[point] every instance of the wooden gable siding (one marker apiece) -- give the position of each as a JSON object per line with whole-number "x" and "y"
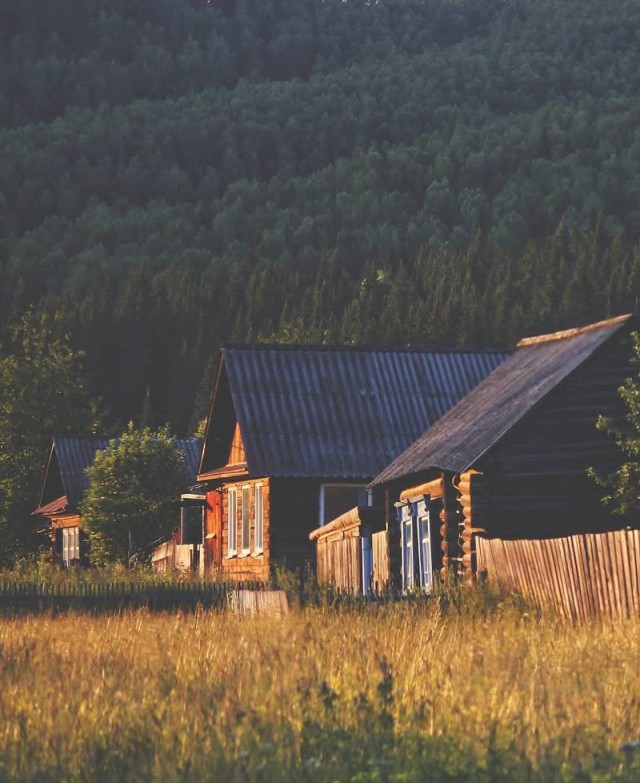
{"x": 536, "y": 479}
{"x": 250, "y": 566}
{"x": 237, "y": 455}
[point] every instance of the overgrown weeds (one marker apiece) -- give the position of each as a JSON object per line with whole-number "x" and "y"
{"x": 436, "y": 691}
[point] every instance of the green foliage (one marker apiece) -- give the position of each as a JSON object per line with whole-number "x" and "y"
{"x": 623, "y": 486}
{"x": 41, "y": 395}
{"x": 179, "y": 173}
{"x": 133, "y": 495}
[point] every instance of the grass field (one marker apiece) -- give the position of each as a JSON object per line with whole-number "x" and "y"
{"x": 392, "y": 693}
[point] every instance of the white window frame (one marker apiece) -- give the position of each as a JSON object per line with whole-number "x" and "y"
{"x": 331, "y": 485}
{"x": 245, "y": 521}
{"x": 423, "y": 509}
{"x": 258, "y": 538}
{"x": 232, "y": 522}
{"x": 405, "y": 519}
{"x": 70, "y": 545}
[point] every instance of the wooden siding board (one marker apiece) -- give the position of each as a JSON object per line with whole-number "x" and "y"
{"x": 578, "y": 553}
{"x": 381, "y": 567}
{"x": 597, "y": 576}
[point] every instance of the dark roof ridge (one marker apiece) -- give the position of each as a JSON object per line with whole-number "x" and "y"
{"x": 566, "y": 334}
{"x": 356, "y": 348}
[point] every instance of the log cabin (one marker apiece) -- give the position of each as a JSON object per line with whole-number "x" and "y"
{"x": 64, "y": 484}
{"x": 295, "y": 434}
{"x": 511, "y": 459}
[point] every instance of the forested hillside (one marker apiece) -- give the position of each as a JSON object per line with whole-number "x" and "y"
{"x": 176, "y": 173}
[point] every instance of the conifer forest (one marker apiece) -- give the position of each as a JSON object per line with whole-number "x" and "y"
{"x": 176, "y": 174}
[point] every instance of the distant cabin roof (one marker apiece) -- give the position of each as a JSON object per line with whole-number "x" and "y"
{"x": 324, "y": 412}
{"x": 496, "y": 405}
{"x": 70, "y": 456}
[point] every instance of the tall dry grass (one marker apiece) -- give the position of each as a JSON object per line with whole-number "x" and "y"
{"x": 395, "y": 693}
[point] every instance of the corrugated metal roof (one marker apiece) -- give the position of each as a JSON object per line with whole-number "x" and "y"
{"x": 484, "y": 416}
{"x": 309, "y": 411}
{"x": 74, "y": 454}
{"x": 190, "y": 447}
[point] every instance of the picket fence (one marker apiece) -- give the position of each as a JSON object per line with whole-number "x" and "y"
{"x": 584, "y": 577}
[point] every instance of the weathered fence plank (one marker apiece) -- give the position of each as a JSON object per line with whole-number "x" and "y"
{"x": 583, "y": 577}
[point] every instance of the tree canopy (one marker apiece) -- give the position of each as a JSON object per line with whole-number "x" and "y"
{"x": 41, "y": 394}
{"x": 132, "y": 498}
{"x": 623, "y": 486}
{"x": 178, "y": 173}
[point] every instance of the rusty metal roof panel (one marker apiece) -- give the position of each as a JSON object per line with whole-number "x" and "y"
{"x": 473, "y": 426}
{"x": 310, "y": 411}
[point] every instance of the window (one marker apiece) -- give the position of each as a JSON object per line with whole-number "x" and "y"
{"x": 405, "y": 517}
{"x": 258, "y": 542}
{"x": 335, "y": 499}
{"x": 423, "y": 513}
{"x": 246, "y": 519}
{"x": 70, "y": 545}
{"x": 232, "y": 547}
{"x": 415, "y": 537}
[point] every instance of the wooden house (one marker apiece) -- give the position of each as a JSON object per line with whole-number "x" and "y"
{"x": 63, "y": 487}
{"x": 295, "y": 434}
{"x": 510, "y": 460}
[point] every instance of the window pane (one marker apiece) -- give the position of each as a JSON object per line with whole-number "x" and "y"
{"x": 65, "y": 546}
{"x": 246, "y": 518}
{"x": 409, "y": 564}
{"x": 259, "y": 535}
{"x": 424, "y": 534}
{"x": 233, "y": 522}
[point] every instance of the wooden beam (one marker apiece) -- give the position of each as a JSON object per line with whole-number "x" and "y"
{"x": 548, "y": 338}
{"x": 434, "y": 489}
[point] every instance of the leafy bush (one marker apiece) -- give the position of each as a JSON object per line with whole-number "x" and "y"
{"x": 133, "y": 495}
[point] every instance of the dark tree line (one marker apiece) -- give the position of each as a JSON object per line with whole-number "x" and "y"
{"x": 151, "y": 338}
{"x": 174, "y": 174}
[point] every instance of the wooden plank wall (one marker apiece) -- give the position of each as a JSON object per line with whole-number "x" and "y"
{"x": 339, "y": 563}
{"x": 584, "y": 577}
{"x": 381, "y": 562}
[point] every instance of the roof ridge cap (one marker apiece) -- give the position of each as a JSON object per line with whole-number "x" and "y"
{"x": 331, "y": 347}
{"x": 567, "y": 333}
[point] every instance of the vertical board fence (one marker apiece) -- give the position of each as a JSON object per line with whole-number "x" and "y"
{"x": 339, "y": 564}
{"x": 584, "y": 577}
{"x": 29, "y": 597}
